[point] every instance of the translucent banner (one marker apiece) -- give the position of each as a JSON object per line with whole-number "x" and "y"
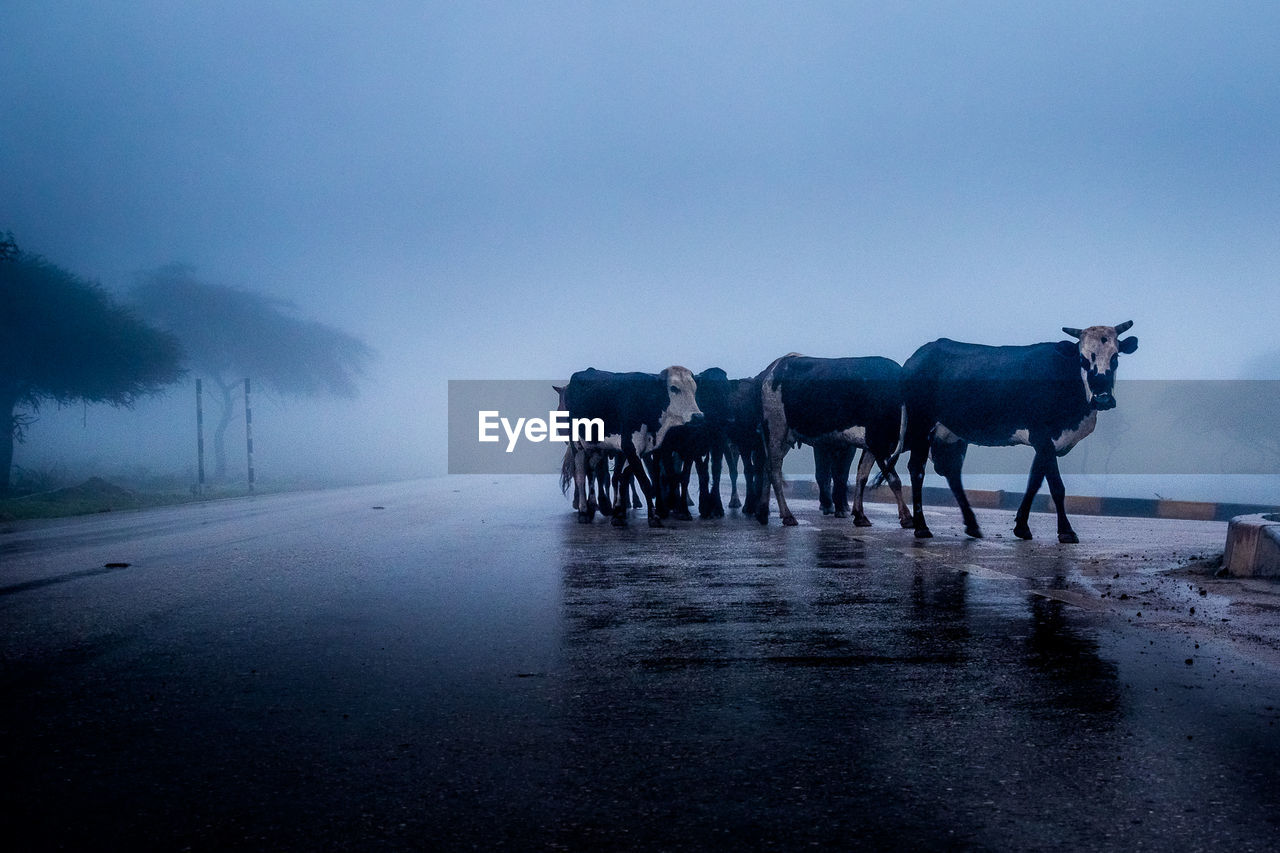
{"x": 1158, "y": 427}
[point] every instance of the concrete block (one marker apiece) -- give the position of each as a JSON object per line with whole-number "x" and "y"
{"x": 1253, "y": 546}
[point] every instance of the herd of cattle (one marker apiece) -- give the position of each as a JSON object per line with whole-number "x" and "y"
{"x": 948, "y": 395}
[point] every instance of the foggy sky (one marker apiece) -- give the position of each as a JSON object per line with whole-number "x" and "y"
{"x": 523, "y": 190}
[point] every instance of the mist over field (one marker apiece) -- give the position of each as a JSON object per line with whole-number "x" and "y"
{"x": 496, "y": 191}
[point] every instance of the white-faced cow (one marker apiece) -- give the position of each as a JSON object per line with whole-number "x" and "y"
{"x": 702, "y": 444}
{"x": 1044, "y": 395}
{"x": 847, "y": 401}
{"x": 638, "y": 411}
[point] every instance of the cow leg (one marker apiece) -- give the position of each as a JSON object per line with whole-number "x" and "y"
{"x": 646, "y": 486}
{"x": 864, "y": 472}
{"x": 592, "y": 482}
{"x": 915, "y": 466}
{"x": 585, "y": 512}
{"x": 1059, "y": 492}
{"x": 753, "y": 481}
{"x": 841, "y": 462}
{"x": 704, "y": 486}
{"x": 731, "y": 460}
{"x": 775, "y": 451}
{"x": 657, "y": 466}
{"x": 1020, "y": 527}
{"x": 601, "y": 468}
{"x": 717, "y": 505}
{"x": 822, "y": 475}
{"x": 621, "y": 482}
{"x": 948, "y": 459}
{"x": 895, "y": 484}
{"x": 681, "y": 510}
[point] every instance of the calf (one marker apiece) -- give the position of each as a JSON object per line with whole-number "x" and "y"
{"x": 851, "y": 402}
{"x": 638, "y": 411}
{"x": 1045, "y": 395}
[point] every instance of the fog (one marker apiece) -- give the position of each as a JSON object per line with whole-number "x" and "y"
{"x": 520, "y": 191}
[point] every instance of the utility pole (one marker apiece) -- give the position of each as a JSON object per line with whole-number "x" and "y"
{"x": 248, "y": 430}
{"x": 199, "y": 439}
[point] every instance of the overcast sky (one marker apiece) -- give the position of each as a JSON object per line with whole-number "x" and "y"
{"x": 520, "y": 190}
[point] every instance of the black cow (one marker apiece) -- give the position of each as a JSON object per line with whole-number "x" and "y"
{"x": 638, "y": 411}
{"x": 742, "y": 430}
{"x": 1045, "y": 395}
{"x": 856, "y": 402}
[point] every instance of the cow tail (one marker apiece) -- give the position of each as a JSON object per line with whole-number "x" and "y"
{"x": 566, "y": 469}
{"x": 878, "y": 481}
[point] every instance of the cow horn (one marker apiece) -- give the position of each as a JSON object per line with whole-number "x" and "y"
{"x": 1123, "y": 327}
{"x": 1075, "y": 333}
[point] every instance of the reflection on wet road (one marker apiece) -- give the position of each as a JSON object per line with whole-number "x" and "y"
{"x": 827, "y": 685}
{"x": 469, "y": 667}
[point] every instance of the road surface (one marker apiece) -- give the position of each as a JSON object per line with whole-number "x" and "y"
{"x": 458, "y": 664}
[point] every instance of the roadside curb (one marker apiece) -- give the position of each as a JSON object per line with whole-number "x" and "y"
{"x": 1253, "y": 546}
{"x": 1076, "y": 504}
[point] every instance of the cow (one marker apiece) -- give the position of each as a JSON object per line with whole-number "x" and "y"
{"x": 855, "y": 402}
{"x": 742, "y": 429}
{"x": 597, "y": 466}
{"x": 638, "y": 411}
{"x": 702, "y": 445}
{"x": 1045, "y": 395}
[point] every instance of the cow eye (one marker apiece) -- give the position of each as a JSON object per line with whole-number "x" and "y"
{"x": 675, "y": 390}
{"x": 1104, "y": 340}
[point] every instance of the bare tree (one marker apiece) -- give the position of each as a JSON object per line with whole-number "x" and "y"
{"x": 230, "y": 333}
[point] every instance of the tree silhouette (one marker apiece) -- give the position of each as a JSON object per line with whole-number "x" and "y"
{"x": 63, "y": 338}
{"x": 230, "y": 333}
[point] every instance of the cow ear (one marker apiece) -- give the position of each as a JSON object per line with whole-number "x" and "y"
{"x": 1129, "y": 344}
{"x": 1075, "y": 333}
{"x": 559, "y": 389}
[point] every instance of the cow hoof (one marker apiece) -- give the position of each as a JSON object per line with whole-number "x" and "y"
{"x": 1022, "y": 531}
{"x": 907, "y": 523}
{"x": 618, "y": 521}
{"x": 826, "y": 510}
{"x": 861, "y": 521}
{"x": 655, "y": 522}
{"x": 839, "y": 513}
{"x": 789, "y": 521}
{"x": 924, "y": 533}
{"x": 734, "y": 503}
{"x": 682, "y": 515}
{"x": 974, "y": 531}
{"x": 1068, "y": 538}
{"x": 584, "y": 517}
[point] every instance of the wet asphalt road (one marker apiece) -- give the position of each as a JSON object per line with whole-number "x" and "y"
{"x": 468, "y": 667}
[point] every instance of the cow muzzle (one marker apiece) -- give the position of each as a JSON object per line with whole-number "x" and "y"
{"x": 697, "y": 418}
{"x": 1104, "y": 401}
